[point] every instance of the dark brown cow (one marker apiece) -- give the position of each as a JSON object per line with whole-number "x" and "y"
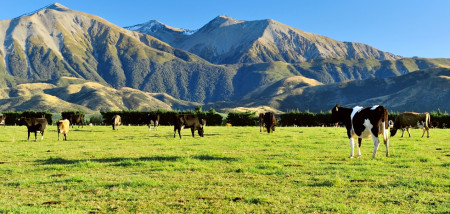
{"x": 363, "y": 122}
{"x": 270, "y": 121}
{"x": 261, "y": 121}
{"x": 3, "y": 120}
{"x": 34, "y": 125}
{"x": 187, "y": 121}
{"x": 75, "y": 119}
{"x": 412, "y": 119}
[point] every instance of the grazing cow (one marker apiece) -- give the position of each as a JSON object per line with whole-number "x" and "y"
{"x": 411, "y": 119}
{"x": 297, "y": 122}
{"x": 34, "y": 125}
{"x": 187, "y": 121}
{"x": 75, "y": 119}
{"x": 3, "y": 120}
{"x": 261, "y": 121}
{"x": 203, "y": 122}
{"x": 270, "y": 121}
{"x": 363, "y": 122}
{"x": 228, "y": 124}
{"x": 116, "y": 122}
{"x": 63, "y": 127}
{"x": 149, "y": 119}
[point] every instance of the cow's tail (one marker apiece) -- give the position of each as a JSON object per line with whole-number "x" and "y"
{"x": 427, "y": 120}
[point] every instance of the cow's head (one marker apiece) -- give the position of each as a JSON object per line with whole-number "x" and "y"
{"x": 200, "y": 131}
{"x": 335, "y": 114}
{"x": 393, "y": 131}
{"x": 22, "y": 121}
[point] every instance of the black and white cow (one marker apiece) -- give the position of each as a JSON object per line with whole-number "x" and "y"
{"x": 363, "y": 122}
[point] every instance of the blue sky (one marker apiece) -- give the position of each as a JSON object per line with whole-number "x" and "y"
{"x": 403, "y": 27}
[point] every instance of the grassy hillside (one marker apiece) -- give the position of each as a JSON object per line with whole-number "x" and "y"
{"x": 69, "y": 93}
{"x": 293, "y": 170}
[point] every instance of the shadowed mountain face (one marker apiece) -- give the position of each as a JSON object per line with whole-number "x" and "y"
{"x": 424, "y": 90}
{"x": 182, "y": 70}
{"x": 225, "y": 40}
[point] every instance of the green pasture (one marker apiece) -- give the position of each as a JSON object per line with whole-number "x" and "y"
{"x": 230, "y": 170}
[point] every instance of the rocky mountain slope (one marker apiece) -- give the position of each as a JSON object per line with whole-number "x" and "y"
{"x": 225, "y": 40}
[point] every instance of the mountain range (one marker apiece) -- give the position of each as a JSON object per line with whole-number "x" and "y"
{"x": 227, "y": 63}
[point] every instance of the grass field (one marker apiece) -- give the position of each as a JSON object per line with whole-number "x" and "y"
{"x": 230, "y": 170}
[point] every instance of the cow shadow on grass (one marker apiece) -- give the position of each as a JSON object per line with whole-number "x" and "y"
{"x": 63, "y": 161}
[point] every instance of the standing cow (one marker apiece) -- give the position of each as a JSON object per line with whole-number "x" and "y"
{"x": 152, "y": 118}
{"x": 63, "y": 127}
{"x": 187, "y": 121}
{"x": 363, "y": 122}
{"x": 34, "y": 125}
{"x": 261, "y": 121}
{"x": 75, "y": 119}
{"x": 270, "y": 121}
{"x": 412, "y": 119}
{"x": 117, "y": 120}
{"x": 3, "y": 120}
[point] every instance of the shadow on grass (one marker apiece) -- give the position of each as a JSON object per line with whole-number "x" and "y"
{"x": 212, "y": 158}
{"x": 58, "y": 160}
{"x": 62, "y": 161}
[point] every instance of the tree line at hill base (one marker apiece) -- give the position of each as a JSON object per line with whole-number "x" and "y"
{"x": 213, "y": 118}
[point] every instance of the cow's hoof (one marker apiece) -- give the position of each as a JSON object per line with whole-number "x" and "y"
{"x": 358, "y": 156}
{"x": 350, "y": 157}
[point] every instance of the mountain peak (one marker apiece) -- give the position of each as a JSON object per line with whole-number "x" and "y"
{"x": 222, "y": 20}
{"x": 54, "y": 6}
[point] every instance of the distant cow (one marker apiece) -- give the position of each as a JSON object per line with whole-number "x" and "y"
{"x": 149, "y": 119}
{"x": 261, "y": 121}
{"x": 187, "y": 121}
{"x": 75, "y": 119}
{"x": 363, "y": 122}
{"x": 3, "y": 120}
{"x": 412, "y": 119}
{"x": 63, "y": 127}
{"x": 270, "y": 121}
{"x": 434, "y": 124}
{"x": 117, "y": 120}
{"x": 34, "y": 125}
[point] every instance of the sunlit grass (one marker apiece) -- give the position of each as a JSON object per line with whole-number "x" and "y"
{"x": 231, "y": 169}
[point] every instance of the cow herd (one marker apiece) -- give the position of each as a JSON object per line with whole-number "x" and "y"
{"x": 360, "y": 122}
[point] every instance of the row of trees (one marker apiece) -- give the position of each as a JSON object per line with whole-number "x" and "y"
{"x": 211, "y": 116}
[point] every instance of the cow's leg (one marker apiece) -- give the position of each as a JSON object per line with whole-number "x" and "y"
{"x": 407, "y": 129}
{"x": 386, "y": 144}
{"x": 352, "y": 146}
{"x": 150, "y": 126}
{"x": 58, "y": 134}
{"x": 157, "y": 126}
{"x": 65, "y": 136}
{"x": 28, "y": 139}
{"x": 376, "y": 143}
{"x": 179, "y": 132}
{"x": 174, "y": 131}
{"x": 35, "y": 136}
{"x": 403, "y": 131}
{"x": 428, "y": 132}
{"x": 42, "y": 135}
{"x": 359, "y": 147}
{"x": 193, "y": 131}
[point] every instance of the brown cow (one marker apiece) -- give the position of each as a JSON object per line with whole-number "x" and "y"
{"x": 63, "y": 127}
{"x": 3, "y": 120}
{"x": 187, "y": 121}
{"x": 411, "y": 119}
{"x": 270, "y": 121}
{"x": 117, "y": 120}
{"x": 34, "y": 125}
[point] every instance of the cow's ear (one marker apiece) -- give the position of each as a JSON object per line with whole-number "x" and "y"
{"x": 336, "y": 108}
